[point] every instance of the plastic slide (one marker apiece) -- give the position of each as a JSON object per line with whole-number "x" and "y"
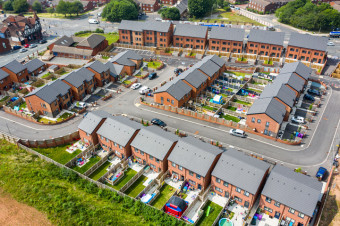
{"x": 208, "y": 211}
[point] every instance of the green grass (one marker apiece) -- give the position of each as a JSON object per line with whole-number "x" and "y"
{"x": 214, "y": 211}
{"x": 67, "y": 199}
{"x": 23, "y": 105}
{"x": 223, "y": 95}
{"x": 269, "y": 63}
{"x": 4, "y": 99}
{"x": 237, "y": 73}
{"x": 59, "y": 153}
{"x": 136, "y": 187}
{"x": 128, "y": 174}
{"x": 127, "y": 82}
{"x": 100, "y": 171}
{"x": 65, "y": 116}
{"x": 234, "y": 17}
{"x": 255, "y": 90}
{"x": 231, "y": 118}
{"x": 154, "y": 64}
{"x": 105, "y": 57}
{"x": 55, "y": 15}
{"x": 192, "y": 54}
{"x": 46, "y": 121}
{"x": 88, "y": 165}
{"x": 164, "y": 196}
{"x": 242, "y": 102}
{"x": 242, "y": 59}
{"x": 210, "y": 108}
{"x": 110, "y": 37}
{"x": 46, "y": 75}
{"x": 231, "y": 108}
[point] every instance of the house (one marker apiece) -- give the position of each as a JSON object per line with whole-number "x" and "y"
{"x": 290, "y": 196}
{"x": 116, "y": 135}
{"x": 101, "y": 72}
{"x": 298, "y": 68}
{"x": 190, "y": 36}
{"x": 182, "y": 6}
{"x": 79, "y": 47}
{"x": 211, "y": 69}
{"x": 335, "y": 5}
{"x": 168, "y": 2}
{"x": 293, "y": 81}
{"x": 81, "y": 82}
{"x": 152, "y": 146}
{"x": 265, "y": 43}
{"x": 49, "y": 99}
{"x": 196, "y": 79}
{"x": 18, "y": 73}
{"x": 307, "y": 47}
{"x": 266, "y": 115}
{"x": 239, "y": 176}
{"x": 89, "y": 126}
{"x": 149, "y": 6}
{"x": 226, "y": 39}
{"x": 35, "y": 67}
{"x": 116, "y": 71}
{"x": 151, "y": 33}
{"x": 130, "y": 60}
{"x": 5, "y": 81}
{"x": 21, "y": 30}
{"x": 5, "y": 46}
{"x": 266, "y": 6}
{"x": 193, "y": 160}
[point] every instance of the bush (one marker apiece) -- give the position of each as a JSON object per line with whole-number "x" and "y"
{"x": 98, "y": 30}
{"x": 83, "y": 32}
{"x": 227, "y": 9}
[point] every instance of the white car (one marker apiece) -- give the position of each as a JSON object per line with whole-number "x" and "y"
{"x": 135, "y": 86}
{"x": 298, "y": 119}
{"x": 158, "y": 19}
{"x": 144, "y": 90}
{"x": 93, "y": 21}
{"x": 22, "y": 50}
{"x": 330, "y": 44}
{"x": 237, "y": 132}
{"x": 80, "y": 104}
{"x": 33, "y": 46}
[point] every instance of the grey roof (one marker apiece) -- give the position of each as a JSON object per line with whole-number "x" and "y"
{"x": 140, "y": 26}
{"x": 292, "y": 189}
{"x": 34, "y": 65}
{"x": 266, "y": 37}
{"x": 119, "y": 129}
{"x": 182, "y": 6}
{"x": 72, "y": 50}
{"x": 123, "y": 58}
{"x": 79, "y": 77}
{"x": 130, "y": 25}
{"x": 298, "y": 68}
{"x": 64, "y": 41}
{"x": 308, "y": 41}
{"x": 269, "y": 106}
{"x": 3, "y": 74}
{"x": 194, "y": 155}
{"x": 115, "y": 69}
{"x": 292, "y": 80}
{"x": 232, "y": 34}
{"x": 51, "y": 91}
{"x": 154, "y": 141}
{"x": 92, "y": 120}
{"x": 176, "y": 88}
{"x": 15, "y": 66}
{"x": 216, "y": 59}
{"x": 280, "y": 91}
{"x": 207, "y": 66}
{"x": 97, "y": 66}
{"x": 194, "y": 77}
{"x": 240, "y": 170}
{"x": 188, "y": 30}
{"x": 92, "y": 41}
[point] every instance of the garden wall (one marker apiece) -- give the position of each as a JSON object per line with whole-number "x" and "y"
{"x": 51, "y": 142}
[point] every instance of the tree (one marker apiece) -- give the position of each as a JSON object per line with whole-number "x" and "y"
{"x": 50, "y": 10}
{"x": 36, "y": 6}
{"x": 63, "y": 7}
{"x": 1, "y": 2}
{"x": 199, "y": 8}
{"x": 8, "y": 6}
{"x": 118, "y": 10}
{"x": 220, "y": 3}
{"x": 171, "y": 13}
{"x": 20, "y": 6}
{"x": 76, "y": 7}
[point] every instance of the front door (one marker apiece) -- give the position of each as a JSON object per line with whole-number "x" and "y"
{"x": 182, "y": 177}
{"x": 199, "y": 186}
{"x": 246, "y": 204}
{"x": 144, "y": 163}
{"x": 122, "y": 156}
{"x": 226, "y": 194}
{"x": 277, "y": 215}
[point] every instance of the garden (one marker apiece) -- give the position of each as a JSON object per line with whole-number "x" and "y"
{"x": 98, "y": 173}
{"x": 211, "y": 211}
{"x": 110, "y": 37}
{"x": 165, "y": 194}
{"x": 128, "y": 174}
{"x": 90, "y": 162}
{"x": 136, "y": 187}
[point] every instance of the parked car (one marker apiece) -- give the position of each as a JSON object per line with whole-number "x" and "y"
{"x": 135, "y": 86}
{"x": 16, "y": 47}
{"x": 308, "y": 97}
{"x": 22, "y": 50}
{"x": 158, "y": 122}
{"x": 298, "y": 119}
{"x": 314, "y": 92}
{"x": 330, "y": 44}
{"x": 144, "y": 90}
{"x": 42, "y": 41}
{"x": 99, "y": 14}
{"x": 152, "y": 75}
{"x": 93, "y": 21}
{"x": 27, "y": 45}
{"x": 33, "y": 46}
{"x": 178, "y": 70}
{"x": 80, "y": 104}
{"x": 238, "y": 133}
{"x": 321, "y": 173}
{"x": 158, "y": 19}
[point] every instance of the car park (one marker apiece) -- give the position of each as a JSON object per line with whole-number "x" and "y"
{"x": 308, "y": 97}
{"x": 314, "y": 92}
{"x": 22, "y": 50}
{"x": 33, "y": 46}
{"x": 321, "y": 173}
{"x": 237, "y": 132}
{"x": 158, "y": 122}
{"x": 135, "y": 86}
{"x": 152, "y": 75}
{"x": 298, "y": 119}
{"x": 42, "y": 41}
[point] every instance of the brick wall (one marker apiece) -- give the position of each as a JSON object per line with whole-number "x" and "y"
{"x": 5, "y": 46}
{"x": 260, "y": 126}
{"x": 35, "y": 104}
{"x": 21, "y": 77}
{"x": 189, "y": 42}
{"x": 225, "y": 45}
{"x": 305, "y": 54}
{"x": 166, "y": 99}
{"x": 6, "y": 83}
{"x": 264, "y": 49}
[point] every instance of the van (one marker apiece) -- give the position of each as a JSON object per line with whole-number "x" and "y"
{"x": 93, "y": 21}
{"x": 152, "y": 75}
{"x": 237, "y": 132}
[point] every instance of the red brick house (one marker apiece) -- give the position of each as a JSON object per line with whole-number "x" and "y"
{"x": 190, "y": 36}
{"x": 5, "y": 46}
{"x": 266, "y": 43}
{"x": 130, "y": 60}
{"x": 116, "y": 135}
{"x": 101, "y": 73}
{"x": 152, "y": 146}
{"x": 116, "y": 71}
{"x": 307, "y": 47}
{"x": 35, "y": 67}
{"x": 298, "y": 69}
{"x": 196, "y": 79}
{"x": 168, "y": 2}
{"x": 5, "y": 81}
{"x": 18, "y": 73}
{"x": 239, "y": 177}
{"x": 293, "y": 81}
{"x": 193, "y": 160}
{"x": 290, "y": 196}
{"x": 226, "y": 39}
{"x": 266, "y": 6}
{"x": 149, "y": 6}
{"x": 89, "y": 126}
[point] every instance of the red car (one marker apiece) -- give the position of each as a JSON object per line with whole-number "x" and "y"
{"x": 27, "y": 45}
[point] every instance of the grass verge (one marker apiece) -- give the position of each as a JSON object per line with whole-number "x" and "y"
{"x": 154, "y": 64}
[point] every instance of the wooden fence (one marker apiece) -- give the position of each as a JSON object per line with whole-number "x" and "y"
{"x": 96, "y": 166}
{"x": 132, "y": 180}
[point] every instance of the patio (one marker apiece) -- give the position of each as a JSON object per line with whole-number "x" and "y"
{"x": 194, "y": 212}
{"x": 266, "y": 220}
{"x": 239, "y": 213}
{"x": 191, "y": 195}
{"x": 219, "y": 200}
{"x": 151, "y": 175}
{"x": 174, "y": 184}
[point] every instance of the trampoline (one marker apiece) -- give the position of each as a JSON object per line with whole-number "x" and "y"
{"x": 225, "y": 222}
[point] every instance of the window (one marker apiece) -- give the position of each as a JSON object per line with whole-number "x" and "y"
{"x": 115, "y": 144}
{"x": 246, "y": 193}
{"x": 259, "y": 121}
{"x": 180, "y": 167}
{"x": 237, "y": 199}
{"x": 120, "y": 147}
{"x": 173, "y": 164}
{"x": 218, "y": 180}
{"x": 218, "y": 189}
{"x": 268, "y": 209}
{"x": 150, "y": 157}
{"x": 269, "y": 200}
{"x": 252, "y": 119}
{"x": 191, "y": 173}
{"x": 152, "y": 166}
{"x": 277, "y": 204}
{"x": 198, "y": 176}
{"x": 192, "y": 182}
{"x": 168, "y": 100}
{"x": 142, "y": 152}
{"x": 291, "y": 210}
{"x": 157, "y": 160}
{"x": 301, "y": 215}
{"x": 225, "y": 184}
{"x": 172, "y": 102}
{"x": 238, "y": 190}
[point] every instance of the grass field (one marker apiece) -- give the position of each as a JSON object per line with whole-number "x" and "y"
{"x": 56, "y": 15}
{"x": 88, "y": 165}
{"x": 136, "y": 187}
{"x": 242, "y": 102}
{"x": 128, "y": 174}
{"x": 154, "y": 64}
{"x": 164, "y": 196}
{"x": 231, "y": 118}
{"x": 209, "y": 108}
{"x": 110, "y": 37}
{"x": 100, "y": 171}
{"x": 214, "y": 211}
{"x": 58, "y": 154}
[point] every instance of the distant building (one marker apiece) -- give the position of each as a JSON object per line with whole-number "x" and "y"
{"x": 226, "y": 39}
{"x": 267, "y": 43}
{"x": 168, "y": 2}
{"x": 190, "y": 36}
{"x": 266, "y": 6}
{"x": 149, "y": 6}
{"x": 5, "y": 45}
{"x": 130, "y": 61}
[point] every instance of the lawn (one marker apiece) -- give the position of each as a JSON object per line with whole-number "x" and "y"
{"x": 237, "y": 73}
{"x": 64, "y": 116}
{"x": 214, "y": 211}
{"x": 46, "y": 75}
{"x": 127, "y": 82}
{"x": 59, "y": 153}
{"x": 231, "y": 118}
{"x": 23, "y": 105}
{"x": 128, "y": 174}
{"x": 154, "y": 64}
{"x": 210, "y": 108}
{"x": 231, "y": 108}
{"x": 46, "y": 121}
{"x": 4, "y": 99}
{"x": 242, "y": 102}
{"x": 88, "y": 165}
{"x": 234, "y": 17}
{"x": 55, "y": 15}
{"x": 136, "y": 187}
{"x": 242, "y": 59}
{"x": 255, "y": 90}
{"x": 268, "y": 63}
{"x": 165, "y": 194}
{"x": 110, "y": 37}
{"x": 100, "y": 171}
{"x": 192, "y": 54}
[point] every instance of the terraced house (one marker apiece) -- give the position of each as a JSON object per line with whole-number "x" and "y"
{"x": 129, "y": 60}
{"x": 265, "y": 43}
{"x": 101, "y": 73}
{"x": 5, "y": 81}
{"x": 17, "y": 72}
{"x": 190, "y": 36}
{"x": 152, "y": 146}
{"x": 226, "y": 39}
{"x": 35, "y": 67}
{"x": 239, "y": 177}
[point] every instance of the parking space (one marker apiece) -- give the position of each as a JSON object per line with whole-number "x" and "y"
{"x": 300, "y": 113}
{"x": 290, "y": 130}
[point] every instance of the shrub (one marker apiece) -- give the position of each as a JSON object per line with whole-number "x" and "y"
{"x": 98, "y": 30}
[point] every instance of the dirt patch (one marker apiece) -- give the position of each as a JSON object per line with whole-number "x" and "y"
{"x": 331, "y": 214}
{"x": 15, "y": 213}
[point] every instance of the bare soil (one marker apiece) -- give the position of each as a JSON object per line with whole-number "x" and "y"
{"x": 15, "y": 213}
